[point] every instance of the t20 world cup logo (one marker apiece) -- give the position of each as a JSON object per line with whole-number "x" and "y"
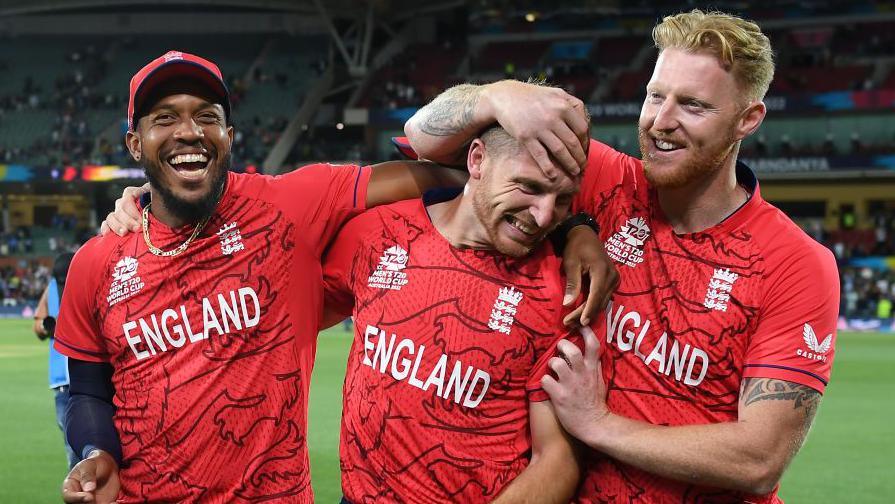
{"x": 635, "y": 231}
{"x": 394, "y": 258}
{"x": 124, "y": 269}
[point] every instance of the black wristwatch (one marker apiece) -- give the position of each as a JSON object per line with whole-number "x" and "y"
{"x": 561, "y": 233}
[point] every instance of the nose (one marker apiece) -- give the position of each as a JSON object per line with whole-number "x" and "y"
{"x": 544, "y": 210}
{"x": 188, "y": 131}
{"x": 666, "y": 118}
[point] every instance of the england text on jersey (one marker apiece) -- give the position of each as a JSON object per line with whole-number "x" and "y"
{"x": 629, "y": 331}
{"x": 465, "y": 385}
{"x": 171, "y": 328}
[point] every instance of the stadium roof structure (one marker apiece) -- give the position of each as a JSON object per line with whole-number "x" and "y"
{"x": 334, "y": 8}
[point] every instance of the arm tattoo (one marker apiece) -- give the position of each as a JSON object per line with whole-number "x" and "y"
{"x": 451, "y": 112}
{"x": 766, "y": 389}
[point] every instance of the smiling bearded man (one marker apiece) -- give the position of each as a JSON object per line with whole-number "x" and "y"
{"x": 182, "y": 340}
{"x": 187, "y": 174}
{"x": 191, "y": 345}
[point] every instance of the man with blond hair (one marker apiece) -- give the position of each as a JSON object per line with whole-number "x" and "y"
{"x": 702, "y": 380}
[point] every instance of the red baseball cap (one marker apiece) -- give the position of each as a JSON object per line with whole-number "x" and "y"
{"x": 169, "y": 66}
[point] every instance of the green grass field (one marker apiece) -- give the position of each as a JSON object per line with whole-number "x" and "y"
{"x": 847, "y": 457}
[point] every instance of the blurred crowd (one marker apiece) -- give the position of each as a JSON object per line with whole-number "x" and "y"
{"x": 23, "y": 262}
{"x": 23, "y": 283}
{"x": 868, "y": 292}
{"x": 784, "y": 146}
{"x": 70, "y": 99}
{"x": 64, "y": 236}
{"x": 80, "y": 131}
{"x": 16, "y": 242}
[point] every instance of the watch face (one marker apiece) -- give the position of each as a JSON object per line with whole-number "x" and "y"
{"x": 585, "y": 219}
{"x": 49, "y": 324}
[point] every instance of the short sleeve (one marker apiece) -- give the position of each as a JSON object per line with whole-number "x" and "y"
{"x": 533, "y": 387}
{"x": 605, "y": 168}
{"x": 552, "y": 312}
{"x": 796, "y": 335}
{"x": 338, "y": 265}
{"x": 78, "y": 334}
{"x": 321, "y": 198}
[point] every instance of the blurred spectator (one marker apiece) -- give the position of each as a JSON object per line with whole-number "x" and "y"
{"x": 866, "y": 293}
{"x": 44, "y": 328}
{"x": 24, "y": 282}
{"x": 856, "y": 146}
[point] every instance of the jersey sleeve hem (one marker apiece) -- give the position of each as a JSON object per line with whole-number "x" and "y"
{"x": 537, "y": 395}
{"x": 786, "y": 373}
{"x": 79, "y": 353}
{"x": 361, "y": 183}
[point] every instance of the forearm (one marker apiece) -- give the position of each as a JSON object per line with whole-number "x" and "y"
{"x": 558, "y": 466}
{"x": 441, "y": 130}
{"x": 553, "y": 460}
{"x": 89, "y": 416}
{"x": 725, "y": 455}
{"x": 89, "y": 426}
{"x": 400, "y": 180}
{"x": 748, "y": 454}
{"x": 40, "y": 313}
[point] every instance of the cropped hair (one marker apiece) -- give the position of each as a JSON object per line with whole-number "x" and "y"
{"x": 498, "y": 142}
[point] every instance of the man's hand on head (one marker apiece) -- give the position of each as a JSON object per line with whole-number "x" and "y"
{"x": 126, "y": 216}
{"x": 547, "y": 121}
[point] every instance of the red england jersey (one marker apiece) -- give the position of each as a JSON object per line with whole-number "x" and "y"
{"x": 450, "y": 346}
{"x": 213, "y": 349}
{"x": 696, "y": 313}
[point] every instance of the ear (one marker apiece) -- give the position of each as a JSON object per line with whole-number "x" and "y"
{"x": 751, "y": 119}
{"x": 475, "y": 158}
{"x": 134, "y": 145}
{"x": 230, "y": 135}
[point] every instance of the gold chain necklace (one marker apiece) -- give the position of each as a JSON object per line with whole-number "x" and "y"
{"x": 177, "y": 251}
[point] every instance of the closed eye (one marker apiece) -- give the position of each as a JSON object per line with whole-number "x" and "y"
{"x": 530, "y": 188}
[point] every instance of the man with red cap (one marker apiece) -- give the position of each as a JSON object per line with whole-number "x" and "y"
{"x": 191, "y": 344}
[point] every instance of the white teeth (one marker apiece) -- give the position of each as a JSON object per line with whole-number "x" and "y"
{"x": 522, "y": 226}
{"x": 663, "y": 145}
{"x": 189, "y": 158}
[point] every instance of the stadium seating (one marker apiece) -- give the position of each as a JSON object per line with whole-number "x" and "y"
{"x": 91, "y": 76}
{"x": 618, "y": 51}
{"x": 425, "y": 70}
{"x": 496, "y": 56}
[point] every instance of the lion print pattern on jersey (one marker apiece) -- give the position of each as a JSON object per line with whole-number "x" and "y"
{"x": 236, "y": 400}
{"x": 435, "y": 400}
